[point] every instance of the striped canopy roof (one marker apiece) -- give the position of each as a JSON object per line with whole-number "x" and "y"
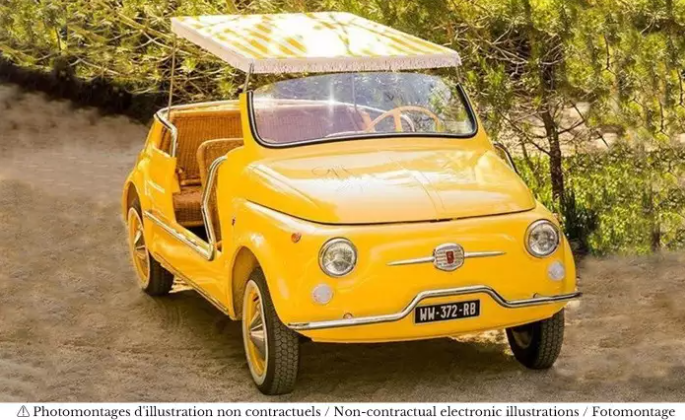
{"x": 310, "y": 42}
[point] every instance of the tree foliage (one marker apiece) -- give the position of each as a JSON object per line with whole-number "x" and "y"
{"x": 588, "y": 94}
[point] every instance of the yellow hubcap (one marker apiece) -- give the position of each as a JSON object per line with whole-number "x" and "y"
{"x": 254, "y": 332}
{"x": 136, "y": 241}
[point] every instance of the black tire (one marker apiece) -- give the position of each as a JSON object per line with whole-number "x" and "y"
{"x": 543, "y": 344}
{"x": 161, "y": 281}
{"x": 283, "y": 352}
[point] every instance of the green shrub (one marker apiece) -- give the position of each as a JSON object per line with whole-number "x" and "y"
{"x": 625, "y": 200}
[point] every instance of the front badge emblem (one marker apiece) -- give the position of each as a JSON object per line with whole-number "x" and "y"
{"x": 448, "y": 257}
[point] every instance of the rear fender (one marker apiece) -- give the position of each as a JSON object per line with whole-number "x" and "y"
{"x": 136, "y": 178}
{"x": 133, "y": 188}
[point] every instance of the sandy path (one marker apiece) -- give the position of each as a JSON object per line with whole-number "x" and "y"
{"x": 74, "y": 327}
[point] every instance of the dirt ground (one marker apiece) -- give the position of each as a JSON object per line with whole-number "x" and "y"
{"x": 74, "y": 326}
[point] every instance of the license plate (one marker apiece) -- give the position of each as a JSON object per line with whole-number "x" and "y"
{"x": 447, "y": 311}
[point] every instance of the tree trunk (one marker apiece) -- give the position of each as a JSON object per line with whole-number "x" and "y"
{"x": 655, "y": 234}
{"x": 555, "y": 169}
{"x": 656, "y": 237}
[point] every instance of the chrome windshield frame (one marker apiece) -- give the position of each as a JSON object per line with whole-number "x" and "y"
{"x": 370, "y": 136}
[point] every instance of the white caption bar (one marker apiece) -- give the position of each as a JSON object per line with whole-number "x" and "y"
{"x": 56, "y": 411}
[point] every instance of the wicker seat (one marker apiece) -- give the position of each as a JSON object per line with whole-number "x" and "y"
{"x": 207, "y": 153}
{"x": 196, "y": 126}
{"x": 210, "y": 151}
{"x": 188, "y": 206}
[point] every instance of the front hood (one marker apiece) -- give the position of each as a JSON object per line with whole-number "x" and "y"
{"x": 387, "y": 186}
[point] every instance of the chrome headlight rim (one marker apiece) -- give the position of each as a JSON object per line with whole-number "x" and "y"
{"x": 330, "y": 243}
{"x": 530, "y": 230}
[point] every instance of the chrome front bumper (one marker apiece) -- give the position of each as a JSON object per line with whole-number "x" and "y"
{"x": 379, "y": 319}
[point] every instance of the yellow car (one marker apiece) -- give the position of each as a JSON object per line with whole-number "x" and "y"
{"x": 363, "y": 204}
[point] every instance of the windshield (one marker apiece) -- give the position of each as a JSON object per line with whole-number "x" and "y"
{"x": 354, "y": 105}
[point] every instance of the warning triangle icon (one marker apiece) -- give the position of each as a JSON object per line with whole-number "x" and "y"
{"x": 23, "y": 412}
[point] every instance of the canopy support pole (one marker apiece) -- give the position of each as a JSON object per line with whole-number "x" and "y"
{"x": 457, "y": 70}
{"x": 247, "y": 77}
{"x": 173, "y": 72}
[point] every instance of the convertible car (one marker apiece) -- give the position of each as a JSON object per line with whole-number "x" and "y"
{"x": 362, "y": 202}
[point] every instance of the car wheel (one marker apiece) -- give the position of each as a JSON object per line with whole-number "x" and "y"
{"x": 537, "y": 345}
{"x": 154, "y": 279}
{"x": 271, "y": 348}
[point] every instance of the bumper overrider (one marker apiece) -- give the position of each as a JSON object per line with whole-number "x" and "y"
{"x": 430, "y": 294}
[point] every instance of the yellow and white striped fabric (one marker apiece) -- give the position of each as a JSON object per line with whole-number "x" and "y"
{"x": 310, "y": 42}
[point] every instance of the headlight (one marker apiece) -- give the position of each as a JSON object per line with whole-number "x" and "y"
{"x": 337, "y": 257}
{"x": 542, "y": 238}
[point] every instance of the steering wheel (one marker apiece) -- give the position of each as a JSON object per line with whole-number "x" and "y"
{"x": 396, "y": 114}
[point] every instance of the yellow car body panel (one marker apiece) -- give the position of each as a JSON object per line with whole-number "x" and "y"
{"x": 439, "y": 190}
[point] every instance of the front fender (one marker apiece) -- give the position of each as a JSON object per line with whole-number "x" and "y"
{"x": 268, "y": 236}
{"x": 569, "y": 262}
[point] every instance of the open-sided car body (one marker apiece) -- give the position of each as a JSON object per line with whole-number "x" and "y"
{"x": 350, "y": 207}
